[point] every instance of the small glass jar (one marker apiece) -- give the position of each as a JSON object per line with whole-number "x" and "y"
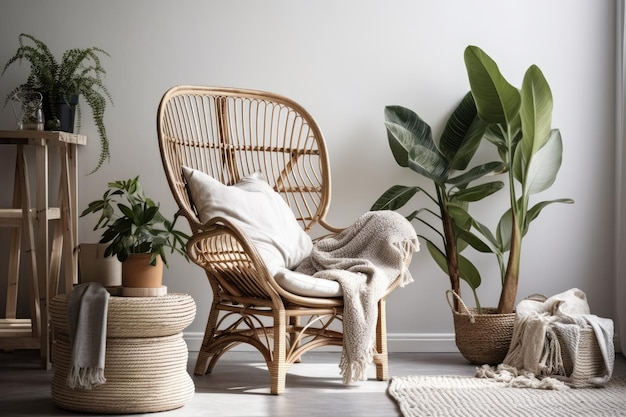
{"x": 27, "y": 109}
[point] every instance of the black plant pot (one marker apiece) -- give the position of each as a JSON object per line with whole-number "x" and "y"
{"x": 64, "y": 111}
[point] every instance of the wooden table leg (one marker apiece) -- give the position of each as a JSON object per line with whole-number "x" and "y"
{"x": 72, "y": 203}
{"x": 42, "y": 206}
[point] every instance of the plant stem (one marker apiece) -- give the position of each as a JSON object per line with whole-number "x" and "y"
{"x": 509, "y": 287}
{"x": 452, "y": 255}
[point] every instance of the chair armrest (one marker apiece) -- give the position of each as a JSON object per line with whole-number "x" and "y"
{"x": 230, "y": 260}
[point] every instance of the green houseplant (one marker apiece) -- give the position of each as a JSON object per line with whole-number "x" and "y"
{"x": 447, "y": 165}
{"x": 518, "y": 123}
{"x": 78, "y": 73}
{"x": 520, "y": 126}
{"x": 133, "y": 224}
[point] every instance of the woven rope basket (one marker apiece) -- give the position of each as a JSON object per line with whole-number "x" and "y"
{"x": 482, "y": 338}
{"x": 144, "y": 373}
{"x": 149, "y": 316}
{"x": 589, "y": 360}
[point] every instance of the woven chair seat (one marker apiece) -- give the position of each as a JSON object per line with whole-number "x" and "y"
{"x": 146, "y": 357}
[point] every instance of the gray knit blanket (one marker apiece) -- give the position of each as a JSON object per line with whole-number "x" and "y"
{"x": 365, "y": 259}
{"x": 545, "y": 330}
{"x": 87, "y": 307}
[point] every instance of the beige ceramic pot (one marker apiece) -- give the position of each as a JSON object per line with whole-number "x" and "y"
{"x": 138, "y": 273}
{"x": 94, "y": 267}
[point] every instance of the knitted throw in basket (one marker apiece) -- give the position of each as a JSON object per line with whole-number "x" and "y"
{"x": 557, "y": 344}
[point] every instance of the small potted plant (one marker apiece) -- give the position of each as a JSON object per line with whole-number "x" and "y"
{"x": 61, "y": 83}
{"x": 137, "y": 233}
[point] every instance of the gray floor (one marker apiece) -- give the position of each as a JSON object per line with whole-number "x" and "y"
{"x": 239, "y": 386}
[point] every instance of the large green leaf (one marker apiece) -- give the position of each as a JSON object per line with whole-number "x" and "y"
{"x": 503, "y": 231}
{"x": 543, "y": 167}
{"x": 412, "y": 145}
{"x": 497, "y": 101}
{"x": 395, "y": 197}
{"x": 478, "y": 192}
{"x": 477, "y": 172}
{"x": 535, "y": 112}
{"x": 462, "y": 134}
{"x": 465, "y": 221}
{"x": 469, "y": 273}
{"x": 438, "y": 256}
{"x": 405, "y": 129}
{"x": 536, "y": 209}
{"x": 486, "y": 233}
{"x": 474, "y": 241}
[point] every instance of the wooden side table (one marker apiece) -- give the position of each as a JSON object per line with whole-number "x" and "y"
{"x": 145, "y": 361}
{"x": 33, "y": 221}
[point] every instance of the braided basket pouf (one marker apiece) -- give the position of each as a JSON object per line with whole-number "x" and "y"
{"x": 146, "y": 356}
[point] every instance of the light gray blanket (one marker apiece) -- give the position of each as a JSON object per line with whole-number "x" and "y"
{"x": 87, "y": 307}
{"x": 365, "y": 259}
{"x": 544, "y": 329}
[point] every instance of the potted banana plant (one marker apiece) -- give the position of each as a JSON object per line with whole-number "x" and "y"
{"x": 520, "y": 126}
{"x": 518, "y": 123}
{"x": 454, "y": 184}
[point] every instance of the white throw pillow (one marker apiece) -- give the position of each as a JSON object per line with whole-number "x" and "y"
{"x": 254, "y": 206}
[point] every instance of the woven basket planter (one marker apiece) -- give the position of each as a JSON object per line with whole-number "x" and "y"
{"x": 482, "y": 338}
{"x": 146, "y": 357}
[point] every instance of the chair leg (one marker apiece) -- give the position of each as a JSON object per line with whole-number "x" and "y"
{"x": 381, "y": 358}
{"x": 294, "y": 323}
{"x": 204, "y": 355}
{"x": 278, "y": 365}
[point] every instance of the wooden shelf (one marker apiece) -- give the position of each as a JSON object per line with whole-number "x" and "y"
{"x": 49, "y": 232}
{"x": 19, "y": 137}
{"x": 17, "y": 334}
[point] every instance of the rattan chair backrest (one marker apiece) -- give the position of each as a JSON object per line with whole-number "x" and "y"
{"x": 230, "y": 133}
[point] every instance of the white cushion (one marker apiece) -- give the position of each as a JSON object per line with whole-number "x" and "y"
{"x": 254, "y": 206}
{"x": 306, "y": 285}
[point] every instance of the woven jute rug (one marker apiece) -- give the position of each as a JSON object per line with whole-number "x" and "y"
{"x": 464, "y": 396}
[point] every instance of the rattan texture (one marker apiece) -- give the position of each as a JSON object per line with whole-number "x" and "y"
{"x": 150, "y": 316}
{"x": 146, "y": 372}
{"x": 229, "y": 133}
{"x": 589, "y": 360}
{"x": 482, "y": 338}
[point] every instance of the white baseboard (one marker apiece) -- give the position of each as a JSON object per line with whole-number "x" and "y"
{"x": 396, "y": 342}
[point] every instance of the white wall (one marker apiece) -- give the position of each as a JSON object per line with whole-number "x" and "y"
{"x": 344, "y": 61}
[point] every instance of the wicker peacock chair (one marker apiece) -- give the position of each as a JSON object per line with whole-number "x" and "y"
{"x": 228, "y": 134}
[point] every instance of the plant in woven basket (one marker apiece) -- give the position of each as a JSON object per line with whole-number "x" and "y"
{"x": 518, "y": 123}
{"x": 133, "y": 223}
{"x": 447, "y": 165}
{"x": 78, "y": 73}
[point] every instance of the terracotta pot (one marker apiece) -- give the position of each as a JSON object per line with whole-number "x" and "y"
{"x": 138, "y": 273}
{"x": 94, "y": 267}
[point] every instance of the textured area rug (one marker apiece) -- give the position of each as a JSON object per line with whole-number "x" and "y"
{"x": 461, "y": 396}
